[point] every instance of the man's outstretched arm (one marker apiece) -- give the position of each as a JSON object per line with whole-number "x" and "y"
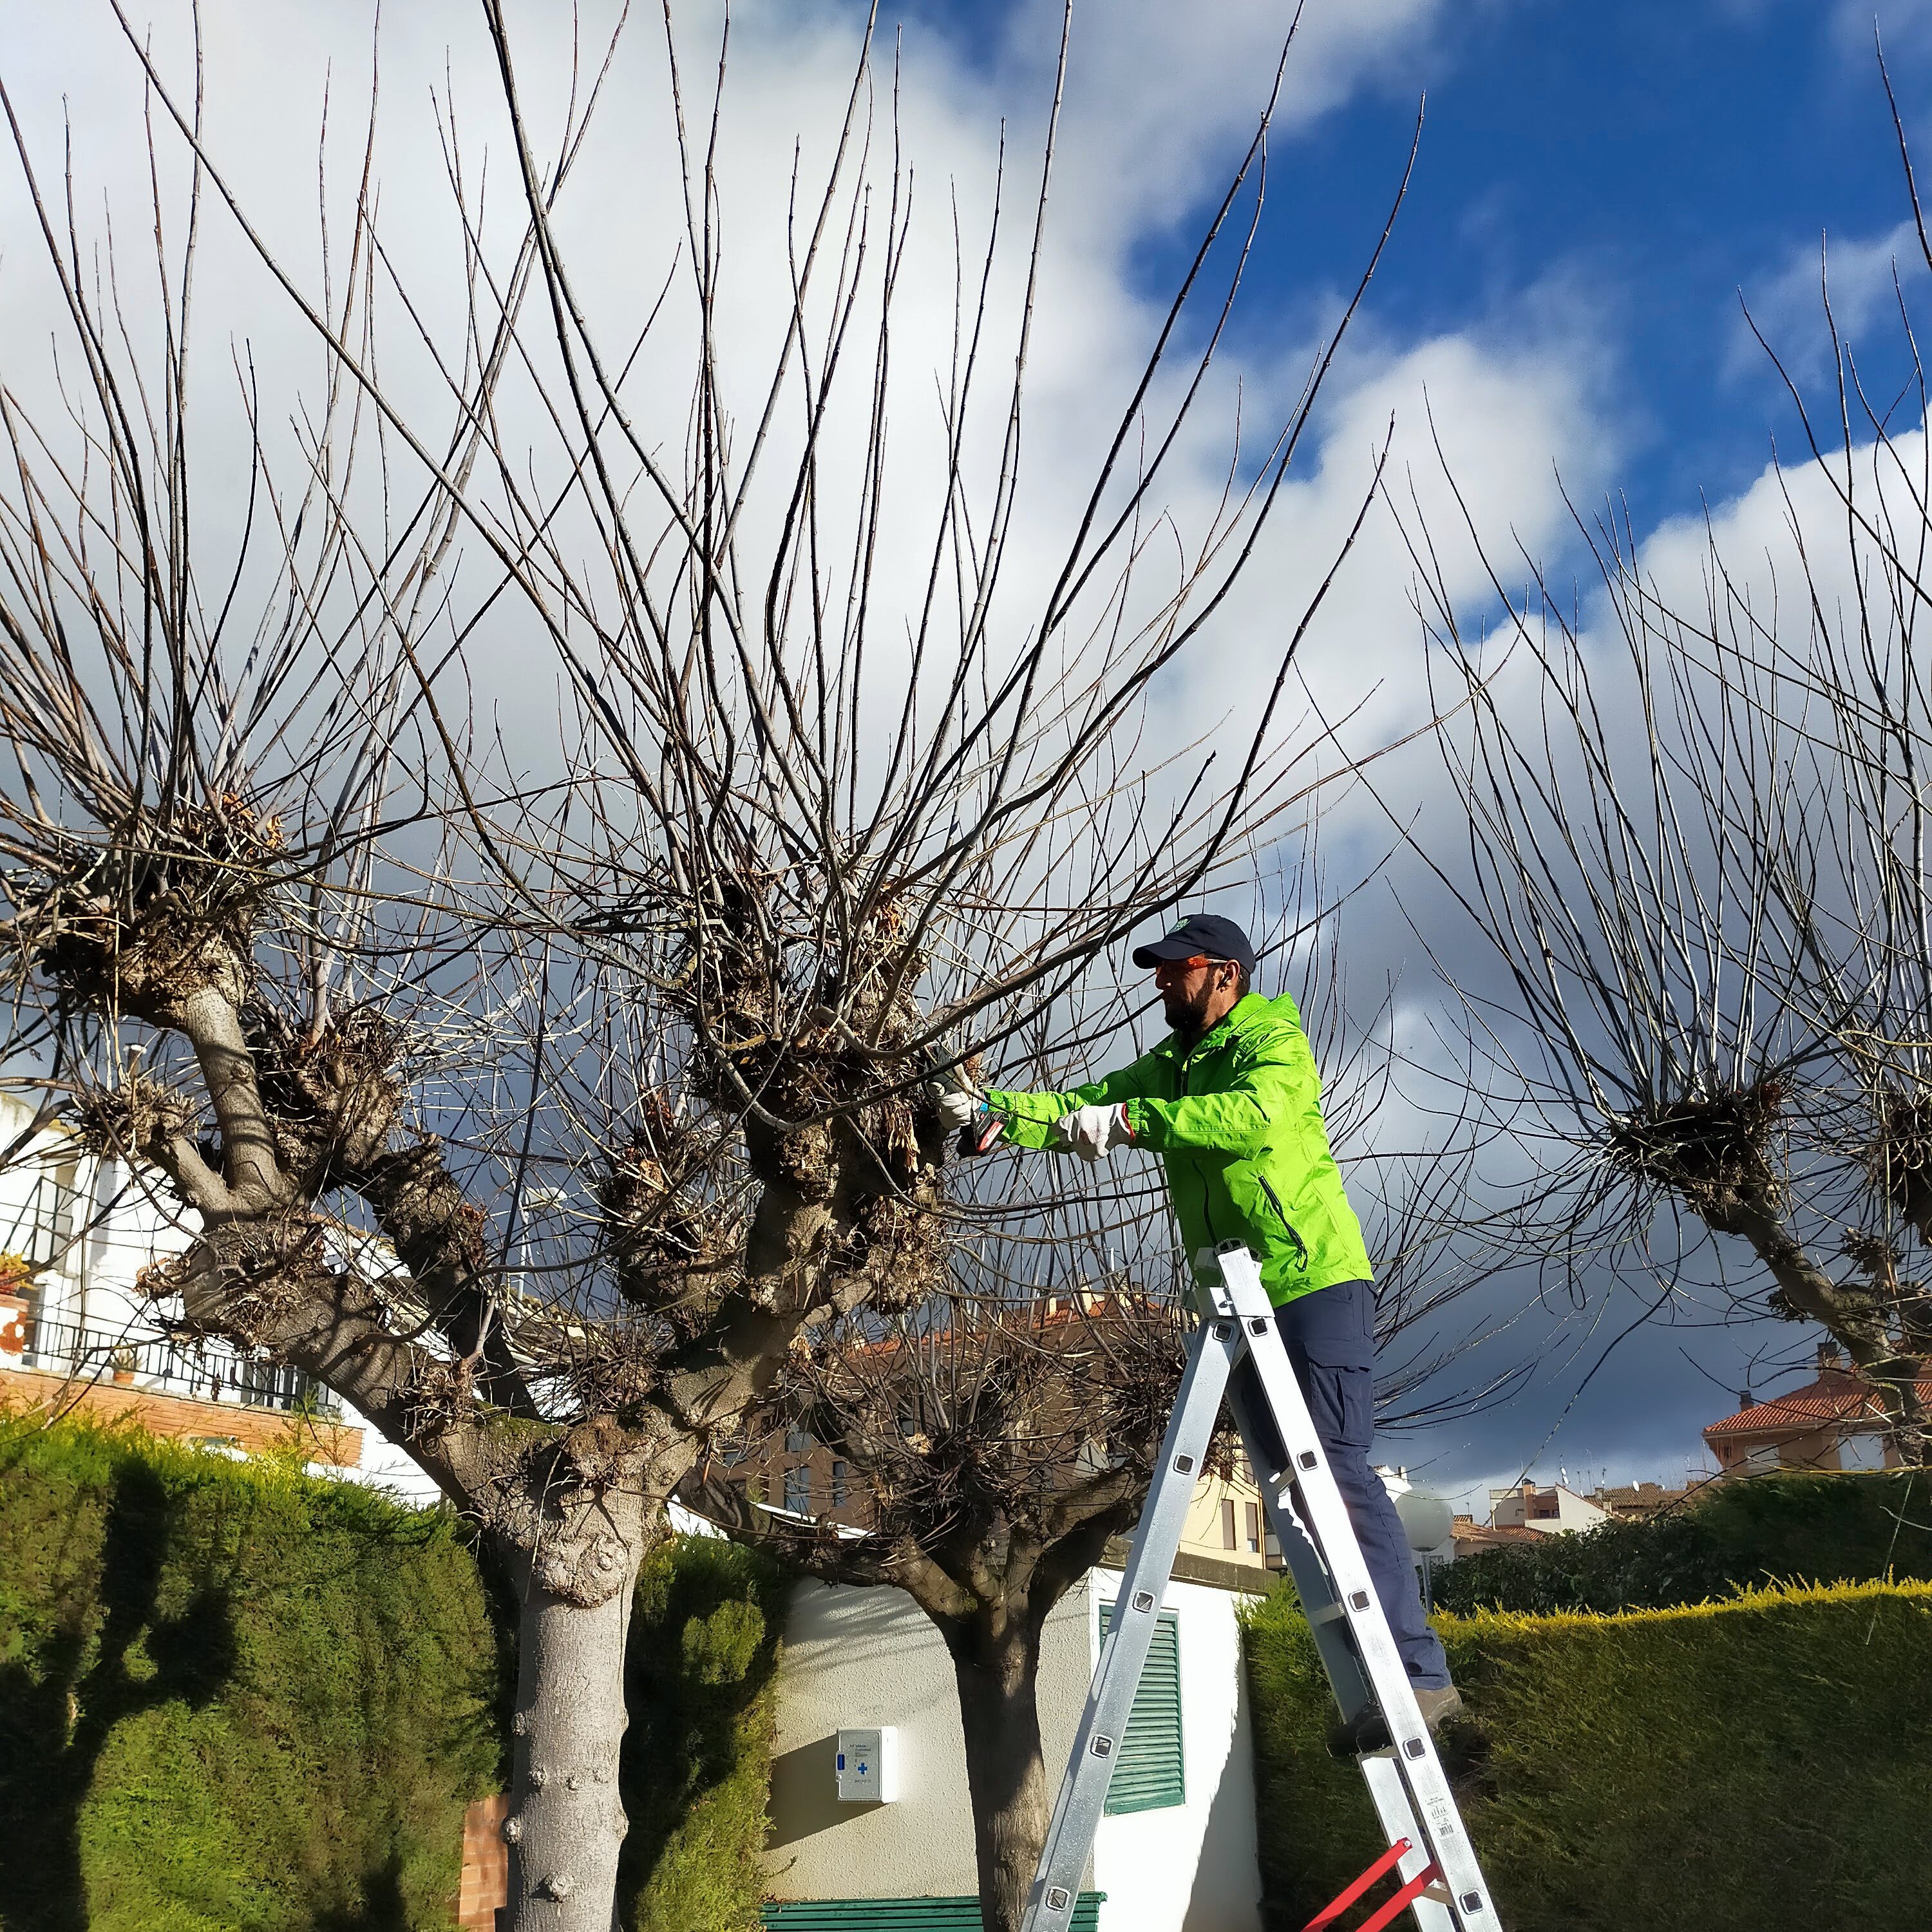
{"x": 1030, "y": 1117}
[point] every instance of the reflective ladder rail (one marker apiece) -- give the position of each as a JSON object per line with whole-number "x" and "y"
{"x": 1428, "y": 1849}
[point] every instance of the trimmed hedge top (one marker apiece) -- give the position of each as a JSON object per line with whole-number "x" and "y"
{"x": 1792, "y": 1525}
{"x": 1720, "y": 1767}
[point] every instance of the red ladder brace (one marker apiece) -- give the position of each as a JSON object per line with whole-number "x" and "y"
{"x": 1389, "y": 1911}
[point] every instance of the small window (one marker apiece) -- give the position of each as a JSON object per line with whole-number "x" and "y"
{"x": 1228, "y": 1523}
{"x": 839, "y": 1486}
{"x": 1865, "y": 1450}
{"x": 798, "y": 1441}
{"x": 798, "y": 1489}
{"x": 1149, "y": 1774}
{"x": 1763, "y": 1457}
{"x": 1254, "y": 1529}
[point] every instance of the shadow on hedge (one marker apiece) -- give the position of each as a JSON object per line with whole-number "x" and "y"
{"x": 55, "y": 1722}
{"x": 231, "y": 1695}
{"x": 384, "y": 1908}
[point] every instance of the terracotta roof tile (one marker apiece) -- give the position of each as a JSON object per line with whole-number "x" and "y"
{"x": 1834, "y": 1396}
{"x": 1484, "y": 1536}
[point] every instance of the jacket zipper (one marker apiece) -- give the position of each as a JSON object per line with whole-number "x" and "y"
{"x": 1206, "y": 1219}
{"x": 1300, "y": 1246}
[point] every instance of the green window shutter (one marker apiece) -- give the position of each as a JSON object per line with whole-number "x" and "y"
{"x": 1149, "y": 1774}
{"x": 901, "y": 1915}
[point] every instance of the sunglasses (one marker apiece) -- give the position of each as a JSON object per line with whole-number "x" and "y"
{"x": 1169, "y": 971}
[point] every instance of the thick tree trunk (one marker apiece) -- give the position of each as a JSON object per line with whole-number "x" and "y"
{"x": 566, "y": 1823}
{"x": 996, "y": 1663}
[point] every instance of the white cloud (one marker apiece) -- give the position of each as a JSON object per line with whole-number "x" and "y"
{"x": 1157, "y": 102}
{"x": 1162, "y": 98}
{"x": 1862, "y": 278}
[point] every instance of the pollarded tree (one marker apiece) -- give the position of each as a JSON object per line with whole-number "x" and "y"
{"x": 1697, "y": 848}
{"x": 995, "y": 1444}
{"x": 537, "y": 1100}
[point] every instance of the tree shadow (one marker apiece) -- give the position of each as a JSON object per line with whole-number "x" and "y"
{"x": 58, "y": 1710}
{"x": 382, "y": 1907}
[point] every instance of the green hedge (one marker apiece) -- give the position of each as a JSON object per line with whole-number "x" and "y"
{"x": 697, "y": 1766}
{"x": 1820, "y": 1528}
{"x": 231, "y": 1697}
{"x": 234, "y": 1699}
{"x": 1763, "y": 1761}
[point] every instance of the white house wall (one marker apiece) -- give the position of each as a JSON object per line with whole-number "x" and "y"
{"x": 1193, "y": 1868}
{"x": 118, "y": 1227}
{"x": 136, "y": 1227}
{"x": 388, "y": 1468}
{"x": 856, "y": 1658}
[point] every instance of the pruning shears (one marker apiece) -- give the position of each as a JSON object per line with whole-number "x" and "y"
{"x": 981, "y": 1133}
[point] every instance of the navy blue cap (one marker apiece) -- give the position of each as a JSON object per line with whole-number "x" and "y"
{"x": 1206, "y": 933}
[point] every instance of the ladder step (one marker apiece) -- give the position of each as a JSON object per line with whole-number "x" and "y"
{"x": 1428, "y": 1881}
{"x": 1424, "y": 1880}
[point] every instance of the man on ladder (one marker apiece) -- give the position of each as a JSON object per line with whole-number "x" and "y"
{"x": 1231, "y": 1102}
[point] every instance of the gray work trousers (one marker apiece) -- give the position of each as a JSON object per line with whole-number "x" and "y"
{"x": 1330, "y": 1336}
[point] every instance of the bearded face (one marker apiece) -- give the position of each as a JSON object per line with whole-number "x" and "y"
{"x": 1188, "y": 995}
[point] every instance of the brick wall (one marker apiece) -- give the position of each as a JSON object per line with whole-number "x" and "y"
{"x": 486, "y": 1865}
{"x": 250, "y": 1429}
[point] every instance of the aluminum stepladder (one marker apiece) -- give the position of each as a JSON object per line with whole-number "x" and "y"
{"x": 1428, "y": 1849}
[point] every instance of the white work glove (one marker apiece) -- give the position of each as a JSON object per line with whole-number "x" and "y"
{"x": 1089, "y": 1132}
{"x": 958, "y": 1106}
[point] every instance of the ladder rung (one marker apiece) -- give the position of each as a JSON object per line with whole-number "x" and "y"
{"x": 1422, "y": 1882}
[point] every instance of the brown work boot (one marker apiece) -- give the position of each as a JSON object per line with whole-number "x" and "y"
{"x": 1439, "y": 1707}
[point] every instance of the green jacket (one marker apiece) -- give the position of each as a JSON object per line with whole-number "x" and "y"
{"x": 1238, "y": 1124}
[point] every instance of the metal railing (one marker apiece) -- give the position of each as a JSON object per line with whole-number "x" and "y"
{"x": 205, "y": 1371}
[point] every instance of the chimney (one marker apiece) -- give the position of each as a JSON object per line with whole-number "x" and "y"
{"x": 1746, "y": 1399}
{"x": 1828, "y": 1357}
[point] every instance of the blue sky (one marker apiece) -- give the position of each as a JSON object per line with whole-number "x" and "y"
{"x": 1645, "y": 162}
{"x": 1606, "y": 185}
{"x": 1624, "y": 172}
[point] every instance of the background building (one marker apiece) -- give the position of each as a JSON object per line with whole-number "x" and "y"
{"x": 1834, "y": 1422}
{"x": 1545, "y": 1510}
{"x": 1176, "y": 1852}
{"x": 77, "y": 1335}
